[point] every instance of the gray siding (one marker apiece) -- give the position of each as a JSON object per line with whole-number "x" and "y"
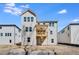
{"x": 64, "y": 36}
{"x": 75, "y": 34}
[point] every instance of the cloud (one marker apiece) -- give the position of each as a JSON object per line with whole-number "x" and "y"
{"x": 63, "y": 11}
{"x": 10, "y": 4}
{"x": 25, "y": 6}
{"x": 12, "y": 9}
{"x": 75, "y": 20}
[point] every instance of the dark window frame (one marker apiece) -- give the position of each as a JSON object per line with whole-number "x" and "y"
{"x": 10, "y": 34}
{"x": 5, "y": 34}
{"x": 52, "y": 40}
{"x": 1, "y": 34}
{"x": 24, "y": 19}
{"x": 0, "y": 27}
{"x": 28, "y": 39}
{"x": 32, "y": 18}
{"x": 26, "y": 29}
{"x": 30, "y": 29}
{"x": 10, "y": 41}
{"x": 28, "y": 19}
{"x": 51, "y": 32}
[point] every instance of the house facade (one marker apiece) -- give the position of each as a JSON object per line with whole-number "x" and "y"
{"x": 70, "y": 34}
{"x": 36, "y": 32}
{"x": 9, "y": 34}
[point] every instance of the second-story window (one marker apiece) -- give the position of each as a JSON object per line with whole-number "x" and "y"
{"x": 51, "y": 32}
{"x": 30, "y": 29}
{"x": 5, "y": 34}
{"x": 10, "y": 34}
{"x": 26, "y": 29}
{"x": 1, "y": 34}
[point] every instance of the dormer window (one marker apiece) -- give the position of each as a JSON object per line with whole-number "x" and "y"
{"x": 24, "y": 19}
{"x": 28, "y": 18}
{"x": 32, "y": 18}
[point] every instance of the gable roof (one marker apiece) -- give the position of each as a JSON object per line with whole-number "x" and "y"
{"x": 11, "y": 25}
{"x": 69, "y": 25}
{"x": 30, "y": 11}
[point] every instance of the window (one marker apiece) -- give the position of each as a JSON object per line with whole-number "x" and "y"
{"x": 28, "y": 19}
{"x": 49, "y": 24}
{"x": 1, "y": 34}
{"x": 10, "y": 34}
{"x": 32, "y": 19}
{"x": 26, "y": 29}
{"x": 30, "y": 29}
{"x": 28, "y": 39}
{"x": 0, "y": 27}
{"x": 24, "y": 19}
{"x": 51, "y": 32}
{"x": 10, "y": 41}
{"x": 5, "y": 34}
{"x": 52, "y": 40}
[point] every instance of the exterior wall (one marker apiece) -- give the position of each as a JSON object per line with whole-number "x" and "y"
{"x": 74, "y": 34}
{"x": 5, "y": 40}
{"x": 17, "y": 35}
{"x": 53, "y": 35}
{"x": 25, "y": 34}
{"x": 32, "y": 35}
{"x": 64, "y": 36}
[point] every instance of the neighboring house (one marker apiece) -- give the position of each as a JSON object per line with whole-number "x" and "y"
{"x": 37, "y": 32}
{"x": 9, "y": 34}
{"x": 70, "y": 34}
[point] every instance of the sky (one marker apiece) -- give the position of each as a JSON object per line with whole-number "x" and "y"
{"x": 64, "y": 13}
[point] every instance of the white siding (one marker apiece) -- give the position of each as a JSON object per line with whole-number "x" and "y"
{"x": 5, "y": 40}
{"x": 74, "y": 34}
{"x": 63, "y": 37}
{"x": 32, "y": 34}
